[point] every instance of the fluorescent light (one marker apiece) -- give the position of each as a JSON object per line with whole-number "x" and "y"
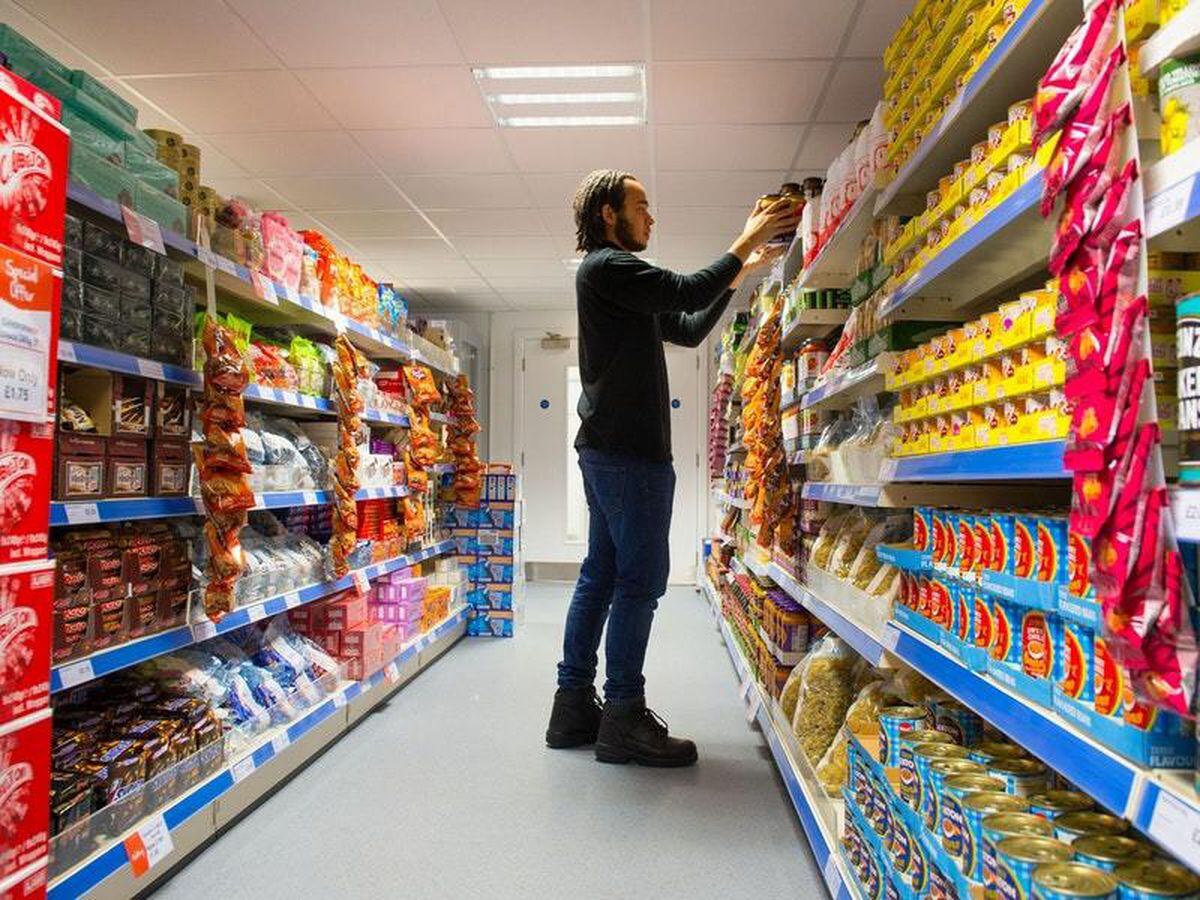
{"x": 566, "y": 121}
{"x": 516, "y": 72}
{"x": 528, "y": 99}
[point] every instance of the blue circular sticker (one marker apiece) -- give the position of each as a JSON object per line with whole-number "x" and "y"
{"x": 545, "y": 404}
{"x": 675, "y": 404}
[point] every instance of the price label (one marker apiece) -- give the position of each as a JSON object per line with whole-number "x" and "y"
{"x": 228, "y": 266}
{"x": 206, "y": 256}
{"x": 82, "y": 513}
{"x": 391, "y": 673}
{"x": 1176, "y": 826}
{"x": 891, "y": 637}
{"x": 256, "y": 612}
{"x": 833, "y": 875}
{"x": 149, "y": 845}
{"x": 754, "y": 707}
{"x": 361, "y": 583}
{"x": 888, "y": 470}
{"x": 339, "y": 321}
{"x": 293, "y": 295}
{"x": 264, "y": 287}
{"x": 291, "y": 599}
{"x": 310, "y": 498}
{"x": 149, "y": 368}
{"x": 76, "y": 673}
{"x": 280, "y": 742}
{"x": 339, "y": 700}
{"x": 66, "y": 352}
{"x": 242, "y": 769}
{"x": 202, "y": 631}
{"x": 1168, "y": 208}
{"x": 143, "y": 231}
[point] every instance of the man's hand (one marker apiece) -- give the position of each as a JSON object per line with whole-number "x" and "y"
{"x": 781, "y": 217}
{"x": 767, "y": 255}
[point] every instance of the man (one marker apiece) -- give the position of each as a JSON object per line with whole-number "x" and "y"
{"x": 627, "y": 308}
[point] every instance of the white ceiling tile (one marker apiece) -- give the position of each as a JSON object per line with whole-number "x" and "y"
{"x": 468, "y": 302}
{"x": 387, "y": 250}
{"x": 521, "y": 268}
{"x": 580, "y": 150}
{"x": 718, "y": 29}
{"x": 692, "y": 247}
{"x": 506, "y": 247}
{"x": 178, "y": 36}
{"x": 434, "y": 285}
{"x": 676, "y": 221}
{"x": 338, "y": 192}
{"x": 520, "y": 300}
{"x": 466, "y": 191}
{"x": 877, "y": 21}
{"x": 214, "y": 163}
{"x": 433, "y": 151}
{"x": 699, "y": 92}
{"x": 375, "y": 223}
{"x": 856, "y": 87}
{"x": 46, "y": 37}
{"x": 551, "y": 191}
{"x": 486, "y": 222}
{"x": 307, "y": 33}
{"x": 541, "y": 284}
{"x": 418, "y": 271}
{"x": 293, "y": 153}
{"x": 249, "y": 189}
{"x": 822, "y": 145}
{"x": 546, "y": 31}
{"x": 236, "y": 101}
{"x": 731, "y": 147}
{"x": 413, "y": 97}
{"x": 560, "y": 222}
{"x": 715, "y": 188}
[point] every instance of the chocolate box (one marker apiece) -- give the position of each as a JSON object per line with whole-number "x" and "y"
{"x": 132, "y": 405}
{"x": 24, "y": 785}
{"x": 170, "y": 468}
{"x": 81, "y": 471}
{"x": 25, "y": 476}
{"x": 172, "y": 412}
{"x": 128, "y": 467}
{"x": 26, "y": 599}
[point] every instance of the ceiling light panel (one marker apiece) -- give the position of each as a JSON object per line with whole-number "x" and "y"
{"x": 565, "y": 96}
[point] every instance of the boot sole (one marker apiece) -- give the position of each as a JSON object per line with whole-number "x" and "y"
{"x": 620, "y": 758}
{"x": 565, "y": 740}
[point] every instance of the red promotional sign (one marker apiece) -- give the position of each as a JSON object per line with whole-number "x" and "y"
{"x": 33, "y": 172}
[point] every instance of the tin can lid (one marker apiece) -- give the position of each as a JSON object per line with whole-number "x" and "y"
{"x": 926, "y": 736}
{"x": 999, "y": 750}
{"x": 1015, "y": 824}
{"x": 992, "y": 802}
{"x": 974, "y": 783}
{"x": 1158, "y": 878}
{"x": 1091, "y": 823}
{"x": 951, "y": 767}
{"x": 941, "y": 751}
{"x": 1063, "y": 801}
{"x": 1074, "y": 879}
{"x": 1112, "y": 848}
{"x": 904, "y": 712}
{"x": 1035, "y": 849}
{"x": 1017, "y": 766}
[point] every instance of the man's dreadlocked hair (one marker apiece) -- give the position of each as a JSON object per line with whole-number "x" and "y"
{"x": 600, "y": 187}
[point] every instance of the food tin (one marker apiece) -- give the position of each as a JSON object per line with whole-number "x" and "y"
{"x": 954, "y": 795}
{"x": 1075, "y": 825}
{"x": 1021, "y": 777}
{"x": 1156, "y": 879}
{"x": 1072, "y": 881}
{"x": 963, "y": 725}
{"x": 939, "y": 772}
{"x": 976, "y": 808}
{"x": 1107, "y": 851}
{"x": 989, "y": 752}
{"x": 893, "y": 722}
{"x": 810, "y": 360}
{"x": 996, "y": 828}
{"x": 1052, "y": 804}
{"x": 925, "y": 755}
{"x": 909, "y": 790}
{"x": 1016, "y": 859}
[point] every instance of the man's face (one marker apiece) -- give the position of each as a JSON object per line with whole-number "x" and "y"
{"x": 634, "y": 222}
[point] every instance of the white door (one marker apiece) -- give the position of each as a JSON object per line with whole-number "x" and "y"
{"x": 556, "y": 519}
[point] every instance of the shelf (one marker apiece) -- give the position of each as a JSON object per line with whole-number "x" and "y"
{"x": 1178, "y": 38}
{"x": 835, "y": 263}
{"x": 842, "y": 389}
{"x": 1009, "y": 244}
{"x": 83, "y": 513}
{"x": 904, "y": 496}
{"x": 813, "y": 323}
{"x": 383, "y": 417}
{"x": 1004, "y": 78}
{"x": 112, "y": 361}
{"x": 818, "y": 817}
{"x": 110, "y": 209}
{"x": 113, "y": 659}
{"x": 868, "y": 641}
{"x": 291, "y": 399}
{"x": 432, "y": 358}
{"x": 199, "y": 804}
{"x": 1017, "y": 462}
{"x": 1172, "y": 194}
{"x": 443, "y": 468}
{"x": 726, "y": 500}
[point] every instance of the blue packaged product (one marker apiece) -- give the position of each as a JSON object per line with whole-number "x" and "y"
{"x": 893, "y": 722}
{"x": 925, "y": 755}
{"x": 1075, "y": 661}
{"x": 975, "y": 809}
{"x": 954, "y": 823}
{"x": 939, "y": 772}
{"x": 1072, "y": 881}
{"x": 1107, "y": 851}
{"x": 963, "y": 725}
{"x": 1000, "y": 827}
{"x": 1016, "y": 859}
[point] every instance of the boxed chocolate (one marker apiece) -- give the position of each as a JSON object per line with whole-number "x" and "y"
{"x": 72, "y": 624}
{"x": 136, "y": 342}
{"x": 100, "y": 241}
{"x": 136, "y": 312}
{"x": 140, "y": 260}
{"x": 72, "y": 293}
{"x": 172, "y": 412}
{"x": 101, "y": 332}
{"x": 128, "y": 467}
{"x": 132, "y": 406}
{"x": 26, "y": 598}
{"x": 170, "y": 468}
{"x": 73, "y": 232}
{"x": 168, "y": 271}
{"x": 81, "y": 471}
{"x": 70, "y": 326}
{"x": 340, "y": 614}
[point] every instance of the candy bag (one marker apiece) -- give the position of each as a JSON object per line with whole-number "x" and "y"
{"x": 1073, "y": 69}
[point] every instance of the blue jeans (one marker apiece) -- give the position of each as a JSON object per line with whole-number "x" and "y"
{"x": 629, "y": 507}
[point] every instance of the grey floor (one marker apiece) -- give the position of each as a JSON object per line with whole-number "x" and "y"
{"x": 448, "y": 791}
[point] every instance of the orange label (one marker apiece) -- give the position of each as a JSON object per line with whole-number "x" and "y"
{"x": 983, "y": 624}
{"x": 939, "y": 539}
{"x": 135, "y": 849}
{"x": 1079, "y": 562}
{"x": 1002, "y": 631}
{"x": 999, "y": 549}
{"x": 1047, "y": 551}
{"x": 964, "y": 617}
{"x": 966, "y": 543}
{"x": 25, "y": 282}
{"x": 983, "y": 550}
{"x": 920, "y": 531}
{"x": 1037, "y": 654}
{"x": 1074, "y": 665}
{"x": 1025, "y": 551}
{"x": 950, "y": 551}
{"x": 945, "y": 607}
{"x": 1141, "y": 716}
{"x": 1109, "y": 687}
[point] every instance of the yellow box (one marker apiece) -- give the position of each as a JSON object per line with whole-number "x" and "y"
{"x": 1049, "y": 372}
{"x": 1045, "y": 151}
{"x": 1045, "y": 425}
{"x": 1014, "y": 324}
{"x": 1141, "y": 19}
{"x": 1045, "y": 310}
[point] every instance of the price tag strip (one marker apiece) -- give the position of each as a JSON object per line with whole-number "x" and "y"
{"x": 243, "y": 768}
{"x": 82, "y": 513}
{"x": 149, "y": 845}
{"x": 143, "y": 231}
{"x": 264, "y": 288}
{"x": 76, "y": 673}
{"x": 1176, "y": 826}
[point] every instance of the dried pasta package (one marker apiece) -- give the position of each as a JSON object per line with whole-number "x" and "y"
{"x": 791, "y": 691}
{"x": 825, "y": 695}
{"x": 911, "y": 686}
{"x": 885, "y": 584}
{"x": 832, "y": 769}
{"x": 863, "y": 715}
{"x": 849, "y": 543}
{"x": 827, "y": 538}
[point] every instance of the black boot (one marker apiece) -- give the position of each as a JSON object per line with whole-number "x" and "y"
{"x": 629, "y": 732}
{"x": 575, "y": 719}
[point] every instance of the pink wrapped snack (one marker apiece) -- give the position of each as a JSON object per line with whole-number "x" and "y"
{"x": 1073, "y": 69}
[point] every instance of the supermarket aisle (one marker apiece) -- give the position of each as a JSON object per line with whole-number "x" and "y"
{"x": 448, "y": 791}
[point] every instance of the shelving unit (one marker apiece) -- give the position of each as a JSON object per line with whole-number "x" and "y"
{"x": 813, "y": 323}
{"x": 1019, "y": 462}
{"x": 1172, "y": 197}
{"x": 198, "y": 815}
{"x": 1179, "y": 37}
{"x": 842, "y": 389}
{"x": 122, "y": 656}
{"x": 833, "y": 266}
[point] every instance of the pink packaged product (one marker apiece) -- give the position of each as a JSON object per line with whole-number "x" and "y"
{"x": 284, "y": 250}
{"x": 395, "y": 613}
{"x": 339, "y": 614}
{"x": 407, "y": 590}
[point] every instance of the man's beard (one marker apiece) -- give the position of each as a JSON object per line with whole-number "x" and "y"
{"x": 624, "y": 236}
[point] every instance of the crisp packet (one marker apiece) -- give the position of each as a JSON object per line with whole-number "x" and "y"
{"x": 1115, "y": 544}
{"x": 1081, "y": 135}
{"x": 1119, "y": 281}
{"x": 1110, "y": 219}
{"x": 1079, "y": 292}
{"x": 1073, "y": 69}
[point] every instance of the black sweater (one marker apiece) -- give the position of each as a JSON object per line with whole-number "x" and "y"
{"x": 627, "y": 308}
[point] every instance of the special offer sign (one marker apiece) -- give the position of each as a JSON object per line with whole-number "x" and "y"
{"x": 29, "y": 296}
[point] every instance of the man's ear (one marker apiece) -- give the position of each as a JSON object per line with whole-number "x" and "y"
{"x": 608, "y": 214}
